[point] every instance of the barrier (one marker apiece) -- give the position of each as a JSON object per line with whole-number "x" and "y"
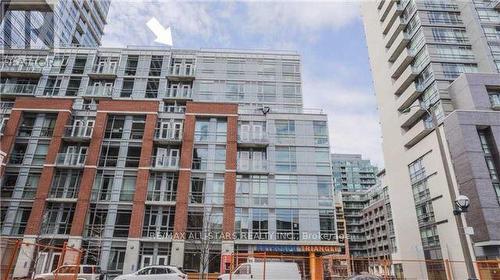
{"x": 24, "y": 260}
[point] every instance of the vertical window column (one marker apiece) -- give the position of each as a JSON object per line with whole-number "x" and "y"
{"x": 89, "y": 172}
{"x": 8, "y": 137}
{"x": 141, "y": 186}
{"x": 35, "y": 220}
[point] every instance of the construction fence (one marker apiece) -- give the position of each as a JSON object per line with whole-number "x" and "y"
{"x": 23, "y": 260}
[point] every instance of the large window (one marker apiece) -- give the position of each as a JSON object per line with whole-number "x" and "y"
{"x": 162, "y": 187}
{"x": 285, "y": 128}
{"x": 65, "y": 184}
{"x": 155, "y": 65}
{"x": 201, "y": 130}
{"x": 325, "y": 192}
{"x": 320, "y": 133}
{"x": 128, "y": 188}
{"x": 286, "y": 159}
{"x": 58, "y": 218}
{"x": 158, "y": 221}
{"x": 131, "y": 66}
{"x": 114, "y": 127}
{"x": 122, "y": 223}
{"x": 286, "y": 191}
{"x": 197, "y": 192}
{"x": 287, "y": 224}
{"x": 241, "y": 223}
{"x": 491, "y": 158}
{"x": 260, "y": 223}
{"x": 327, "y": 225}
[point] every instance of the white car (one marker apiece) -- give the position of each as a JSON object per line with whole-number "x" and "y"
{"x": 155, "y": 272}
{"x": 68, "y": 272}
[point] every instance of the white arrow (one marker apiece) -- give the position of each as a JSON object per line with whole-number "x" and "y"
{"x": 163, "y": 36}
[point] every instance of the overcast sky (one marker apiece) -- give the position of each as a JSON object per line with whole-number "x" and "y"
{"x": 328, "y": 35}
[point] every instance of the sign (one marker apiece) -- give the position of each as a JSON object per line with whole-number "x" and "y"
{"x": 297, "y": 248}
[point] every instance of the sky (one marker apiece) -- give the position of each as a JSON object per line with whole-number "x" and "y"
{"x": 328, "y": 35}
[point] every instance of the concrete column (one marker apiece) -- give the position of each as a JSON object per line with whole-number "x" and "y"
{"x": 177, "y": 254}
{"x": 25, "y": 257}
{"x": 131, "y": 261}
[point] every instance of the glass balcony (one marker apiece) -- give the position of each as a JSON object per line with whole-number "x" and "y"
{"x": 78, "y": 132}
{"x": 165, "y": 162}
{"x": 253, "y": 139}
{"x": 104, "y": 70}
{"x": 168, "y": 135}
{"x": 30, "y": 69}
{"x": 181, "y": 72}
{"x": 252, "y": 166}
{"x": 71, "y": 159}
{"x": 18, "y": 89}
{"x": 177, "y": 93}
{"x": 99, "y": 91}
{"x": 5, "y": 107}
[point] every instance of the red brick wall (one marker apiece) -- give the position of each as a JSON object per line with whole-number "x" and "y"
{"x": 230, "y": 176}
{"x": 44, "y": 184}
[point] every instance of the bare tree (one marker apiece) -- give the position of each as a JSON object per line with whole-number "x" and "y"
{"x": 207, "y": 240}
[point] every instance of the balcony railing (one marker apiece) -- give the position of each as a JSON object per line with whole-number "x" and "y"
{"x": 165, "y": 162}
{"x": 173, "y": 93}
{"x": 106, "y": 70}
{"x": 252, "y": 166}
{"x": 262, "y": 110}
{"x": 187, "y": 70}
{"x": 18, "y": 89}
{"x": 99, "y": 91}
{"x": 251, "y": 138}
{"x": 21, "y": 67}
{"x": 69, "y": 159}
{"x": 26, "y": 131}
{"x": 168, "y": 134}
{"x": 78, "y": 131}
{"x": 173, "y": 109}
{"x": 6, "y": 107}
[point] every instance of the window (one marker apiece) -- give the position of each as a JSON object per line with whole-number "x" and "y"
{"x": 162, "y": 187}
{"x": 286, "y": 159}
{"x": 133, "y": 156}
{"x": 116, "y": 259}
{"x": 267, "y": 93}
{"x": 131, "y": 66}
{"x": 320, "y": 133}
{"x": 286, "y": 191}
{"x": 287, "y": 224}
{"x": 449, "y": 35}
{"x": 417, "y": 170}
{"x": 453, "y": 70}
{"x": 241, "y": 223}
{"x": 96, "y": 221}
{"x": 114, "y": 127}
{"x": 220, "y": 158}
{"x": 31, "y": 186}
{"x": 325, "y": 192}
{"x": 444, "y": 17}
{"x": 200, "y": 157}
{"x": 79, "y": 66}
{"x": 322, "y": 156}
{"x": 216, "y": 191}
{"x": 40, "y": 154}
{"x": 221, "y": 132}
{"x": 197, "y": 190}
{"x": 491, "y": 157}
{"x": 73, "y": 86}
{"x": 494, "y": 98}
{"x": 201, "y": 130}
{"x": 52, "y": 86}
{"x": 152, "y": 88}
{"x": 285, "y": 128}
{"x": 109, "y": 156}
{"x": 58, "y": 218}
{"x": 327, "y": 225}
{"x": 122, "y": 223}
{"x": 127, "y": 87}
{"x": 21, "y": 220}
{"x": 128, "y": 188}
{"x": 155, "y": 66}
{"x": 65, "y": 184}
{"x": 158, "y": 221}
{"x": 260, "y": 224}
{"x": 103, "y": 185}
{"x": 17, "y": 155}
{"x": 9, "y": 184}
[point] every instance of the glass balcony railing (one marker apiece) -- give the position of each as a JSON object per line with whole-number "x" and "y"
{"x": 168, "y": 134}
{"x": 252, "y": 165}
{"x": 181, "y": 93}
{"x": 105, "y": 69}
{"x": 99, "y": 91}
{"x": 165, "y": 162}
{"x": 71, "y": 159}
{"x": 18, "y": 89}
{"x": 78, "y": 131}
{"x": 21, "y": 67}
{"x": 187, "y": 70}
{"x": 259, "y": 138}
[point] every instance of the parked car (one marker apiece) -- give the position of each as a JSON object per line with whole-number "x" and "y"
{"x": 155, "y": 272}
{"x": 68, "y": 272}
{"x": 273, "y": 271}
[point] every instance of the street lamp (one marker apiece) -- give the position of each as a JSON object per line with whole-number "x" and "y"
{"x": 460, "y": 203}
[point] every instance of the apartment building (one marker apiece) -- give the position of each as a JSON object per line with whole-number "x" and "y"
{"x": 52, "y": 23}
{"x": 135, "y": 154}
{"x": 352, "y": 177}
{"x": 417, "y": 49}
{"x": 352, "y": 173}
